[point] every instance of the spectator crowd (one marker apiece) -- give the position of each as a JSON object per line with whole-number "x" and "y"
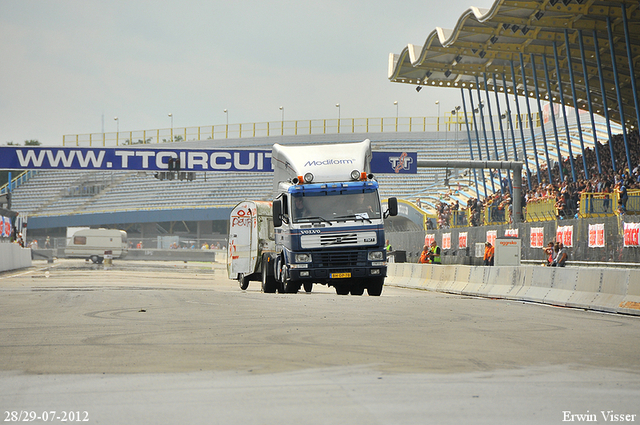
{"x": 564, "y": 193}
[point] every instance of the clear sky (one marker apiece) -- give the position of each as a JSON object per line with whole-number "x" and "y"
{"x": 68, "y": 66}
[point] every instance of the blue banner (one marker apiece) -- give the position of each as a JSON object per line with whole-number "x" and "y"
{"x": 394, "y": 163}
{"x": 40, "y": 158}
{"x": 144, "y": 159}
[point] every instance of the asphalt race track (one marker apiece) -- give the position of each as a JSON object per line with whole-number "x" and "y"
{"x": 167, "y": 343}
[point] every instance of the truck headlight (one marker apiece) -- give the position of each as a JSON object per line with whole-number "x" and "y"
{"x": 376, "y": 256}
{"x": 303, "y": 258}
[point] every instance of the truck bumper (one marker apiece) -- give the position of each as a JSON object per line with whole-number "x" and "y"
{"x": 325, "y": 275}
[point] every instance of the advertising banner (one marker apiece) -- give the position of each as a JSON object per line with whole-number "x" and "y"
{"x": 631, "y": 233}
{"x": 429, "y": 238}
{"x": 492, "y": 236}
{"x": 564, "y": 235}
{"x": 512, "y": 233}
{"x": 394, "y": 162}
{"x": 140, "y": 159}
{"x": 596, "y": 235}
{"x": 462, "y": 239}
{"x": 537, "y": 237}
{"x": 5, "y": 227}
{"x": 446, "y": 241}
{"x": 149, "y": 159}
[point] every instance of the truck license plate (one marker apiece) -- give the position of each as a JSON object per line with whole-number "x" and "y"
{"x": 339, "y": 275}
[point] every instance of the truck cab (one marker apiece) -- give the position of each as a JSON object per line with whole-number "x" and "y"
{"x": 333, "y": 234}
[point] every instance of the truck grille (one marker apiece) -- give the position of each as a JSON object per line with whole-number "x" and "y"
{"x": 338, "y": 239}
{"x": 339, "y": 259}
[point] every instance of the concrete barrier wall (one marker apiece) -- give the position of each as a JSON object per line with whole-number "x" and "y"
{"x": 205, "y": 255}
{"x": 602, "y": 289}
{"x": 12, "y": 257}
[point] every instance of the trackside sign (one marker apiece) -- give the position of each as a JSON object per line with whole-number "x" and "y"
{"x": 143, "y": 159}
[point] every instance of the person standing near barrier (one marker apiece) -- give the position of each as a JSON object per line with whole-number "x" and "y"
{"x": 550, "y": 253}
{"x": 424, "y": 257}
{"x": 623, "y": 197}
{"x": 388, "y": 246}
{"x": 434, "y": 254}
{"x": 489, "y": 251}
{"x": 561, "y": 256}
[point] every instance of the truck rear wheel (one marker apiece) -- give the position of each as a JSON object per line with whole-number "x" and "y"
{"x": 308, "y": 286}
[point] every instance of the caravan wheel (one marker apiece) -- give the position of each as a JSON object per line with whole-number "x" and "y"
{"x": 243, "y": 281}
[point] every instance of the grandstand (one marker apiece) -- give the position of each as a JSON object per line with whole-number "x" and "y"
{"x": 55, "y": 198}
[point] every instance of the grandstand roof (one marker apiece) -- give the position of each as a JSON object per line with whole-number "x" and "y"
{"x": 489, "y": 40}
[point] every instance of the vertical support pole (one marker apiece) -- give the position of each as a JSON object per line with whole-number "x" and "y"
{"x": 618, "y": 92}
{"x": 493, "y": 131}
{"x": 575, "y": 103}
{"x": 588, "y": 90}
{"x": 564, "y": 110}
{"x": 508, "y": 112}
{"x": 605, "y": 108}
{"x": 553, "y": 115}
{"x": 475, "y": 127}
{"x": 516, "y": 199}
{"x": 484, "y": 131}
{"x": 524, "y": 145}
{"x": 466, "y": 120}
{"x": 533, "y": 136}
{"x": 504, "y": 143}
{"x": 631, "y": 70}
{"x": 544, "y": 136}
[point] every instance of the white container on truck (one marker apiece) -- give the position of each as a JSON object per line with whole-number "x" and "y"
{"x": 92, "y": 244}
{"x": 328, "y": 221}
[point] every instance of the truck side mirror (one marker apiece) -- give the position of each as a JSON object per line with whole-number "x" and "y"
{"x": 392, "y": 204}
{"x": 277, "y": 212}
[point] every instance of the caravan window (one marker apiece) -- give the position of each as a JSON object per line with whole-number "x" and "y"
{"x": 79, "y": 240}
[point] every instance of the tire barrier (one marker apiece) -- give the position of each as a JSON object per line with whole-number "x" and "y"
{"x": 590, "y": 288}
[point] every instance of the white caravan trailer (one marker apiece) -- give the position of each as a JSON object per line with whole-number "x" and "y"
{"x": 250, "y": 236}
{"x": 92, "y": 244}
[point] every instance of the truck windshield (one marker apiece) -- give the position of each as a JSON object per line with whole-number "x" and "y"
{"x": 335, "y": 206}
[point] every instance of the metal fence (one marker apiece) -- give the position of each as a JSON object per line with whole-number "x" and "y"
{"x": 449, "y": 123}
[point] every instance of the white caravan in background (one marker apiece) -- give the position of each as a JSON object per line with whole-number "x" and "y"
{"x": 92, "y": 243}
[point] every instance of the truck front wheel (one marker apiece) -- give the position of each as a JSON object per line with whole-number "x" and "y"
{"x": 374, "y": 286}
{"x": 357, "y": 288}
{"x": 269, "y": 282}
{"x": 342, "y": 289}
